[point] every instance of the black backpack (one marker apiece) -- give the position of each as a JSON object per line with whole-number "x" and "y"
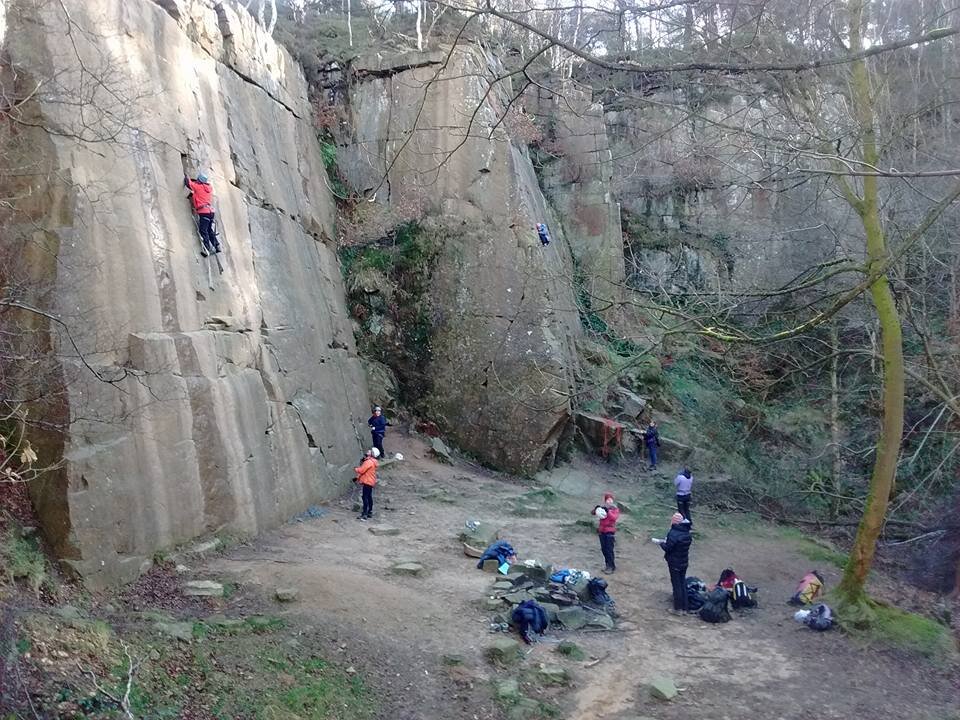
{"x": 740, "y": 596}
{"x": 714, "y": 608}
{"x": 696, "y": 593}
{"x": 820, "y": 618}
{"x": 597, "y": 588}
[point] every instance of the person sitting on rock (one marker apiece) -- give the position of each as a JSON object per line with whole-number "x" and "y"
{"x": 201, "y": 196}
{"x": 367, "y": 477}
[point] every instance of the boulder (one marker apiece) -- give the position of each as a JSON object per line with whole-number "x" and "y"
{"x": 502, "y": 585}
{"x": 515, "y": 598}
{"x": 493, "y": 604}
{"x": 286, "y": 594}
{"x": 599, "y": 620}
{"x": 479, "y": 534}
{"x": 504, "y": 650}
{"x": 440, "y": 451}
{"x": 572, "y": 617}
{"x": 595, "y": 427}
{"x": 553, "y": 675}
{"x": 413, "y": 569}
{"x": 536, "y": 570}
{"x": 385, "y": 530}
{"x": 551, "y": 609}
{"x": 490, "y": 566}
{"x": 632, "y": 404}
{"x": 471, "y": 551}
{"x": 202, "y": 588}
{"x": 182, "y": 631}
{"x": 663, "y": 688}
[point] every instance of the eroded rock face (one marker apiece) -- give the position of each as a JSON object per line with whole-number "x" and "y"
{"x": 504, "y": 318}
{"x": 234, "y": 399}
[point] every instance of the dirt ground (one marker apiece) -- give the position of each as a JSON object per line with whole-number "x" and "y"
{"x": 397, "y": 630}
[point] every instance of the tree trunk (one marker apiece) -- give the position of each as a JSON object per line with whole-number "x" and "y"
{"x": 835, "y": 434}
{"x": 851, "y": 588}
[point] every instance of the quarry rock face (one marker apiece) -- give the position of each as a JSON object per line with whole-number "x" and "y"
{"x": 192, "y": 401}
{"x": 429, "y": 137}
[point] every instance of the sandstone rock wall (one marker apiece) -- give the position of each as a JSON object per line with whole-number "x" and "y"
{"x": 577, "y": 176}
{"x": 424, "y": 134}
{"x": 233, "y": 400}
{"x": 697, "y": 202}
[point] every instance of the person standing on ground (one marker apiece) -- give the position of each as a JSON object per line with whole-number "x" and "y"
{"x": 378, "y": 429}
{"x": 608, "y": 513}
{"x": 367, "y": 477}
{"x": 201, "y": 197}
{"x": 651, "y": 438}
{"x": 676, "y": 551}
{"x": 684, "y": 483}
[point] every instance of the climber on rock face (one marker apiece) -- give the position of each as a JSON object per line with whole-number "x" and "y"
{"x": 544, "y": 234}
{"x": 201, "y": 196}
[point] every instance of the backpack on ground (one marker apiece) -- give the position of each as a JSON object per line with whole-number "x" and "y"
{"x": 696, "y": 593}
{"x": 740, "y": 596}
{"x": 820, "y": 618}
{"x": 529, "y": 616}
{"x": 714, "y": 608}
{"x": 598, "y": 592}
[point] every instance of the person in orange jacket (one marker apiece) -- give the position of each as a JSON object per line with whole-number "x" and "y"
{"x": 367, "y": 477}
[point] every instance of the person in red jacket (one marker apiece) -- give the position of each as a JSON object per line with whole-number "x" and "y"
{"x": 201, "y": 196}
{"x": 608, "y": 513}
{"x": 367, "y": 477}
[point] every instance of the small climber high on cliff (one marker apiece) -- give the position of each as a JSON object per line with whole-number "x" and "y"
{"x": 544, "y": 234}
{"x": 201, "y": 196}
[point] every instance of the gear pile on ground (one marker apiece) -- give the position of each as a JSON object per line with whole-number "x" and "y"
{"x": 570, "y": 607}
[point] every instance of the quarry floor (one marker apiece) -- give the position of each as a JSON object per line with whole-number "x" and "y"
{"x": 398, "y": 629}
{"x": 415, "y": 644}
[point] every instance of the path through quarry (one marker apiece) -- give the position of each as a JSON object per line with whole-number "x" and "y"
{"x": 401, "y": 631}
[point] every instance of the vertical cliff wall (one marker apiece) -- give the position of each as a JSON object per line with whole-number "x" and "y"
{"x": 197, "y": 401}
{"x": 576, "y": 173}
{"x": 429, "y": 134}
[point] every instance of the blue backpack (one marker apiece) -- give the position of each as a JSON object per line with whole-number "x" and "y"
{"x": 529, "y": 616}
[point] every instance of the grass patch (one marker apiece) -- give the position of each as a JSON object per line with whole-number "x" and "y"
{"x": 254, "y": 668}
{"x": 21, "y": 559}
{"x": 817, "y": 551}
{"x": 887, "y": 625}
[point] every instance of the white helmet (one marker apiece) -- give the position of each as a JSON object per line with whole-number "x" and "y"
{"x": 397, "y": 456}
{"x": 600, "y": 513}
{"x": 375, "y": 452}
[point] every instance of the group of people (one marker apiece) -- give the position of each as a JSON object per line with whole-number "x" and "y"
{"x": 366, "y": 472}
{"x": 676, "y": 544}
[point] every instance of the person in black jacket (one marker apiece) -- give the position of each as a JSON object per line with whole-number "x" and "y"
{"x": 378, "y": 429}
{"x": 676, "y": 551}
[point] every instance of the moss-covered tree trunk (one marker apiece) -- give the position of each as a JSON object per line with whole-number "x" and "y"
{"x": 851, "y": 588}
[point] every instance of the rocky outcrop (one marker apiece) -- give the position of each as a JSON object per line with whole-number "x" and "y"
{"x": 429, "y": 139}
{"x": 576, "y": 173}
{"x": 194, "y": 402}
{"x": 699, "y": 208}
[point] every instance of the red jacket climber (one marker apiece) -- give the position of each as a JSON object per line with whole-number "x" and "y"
{"x": 201, "y": 197}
